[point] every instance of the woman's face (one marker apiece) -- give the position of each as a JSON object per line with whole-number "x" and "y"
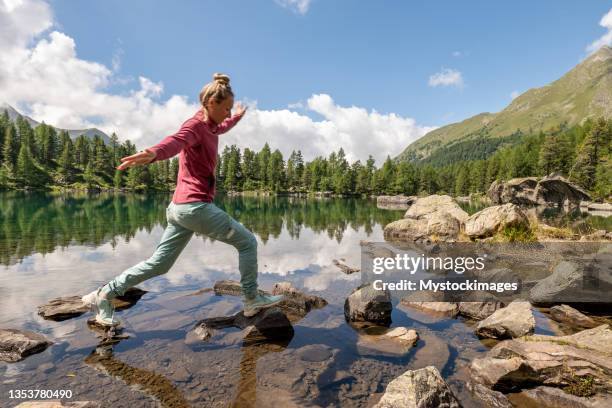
{"x": 219, "y": 111}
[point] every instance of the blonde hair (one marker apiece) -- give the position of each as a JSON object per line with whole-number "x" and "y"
{"x": 219, "y": 90}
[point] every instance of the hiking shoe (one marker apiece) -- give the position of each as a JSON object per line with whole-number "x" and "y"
{"x": 260, "y": 302}
{"x": 102, "y": 307}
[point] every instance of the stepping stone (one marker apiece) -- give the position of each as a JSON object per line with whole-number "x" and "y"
{"x": 68, "y": 307}
{"x": 15, "y": 345}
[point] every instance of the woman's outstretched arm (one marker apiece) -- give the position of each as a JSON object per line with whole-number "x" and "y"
{"x": 168, "y": 147}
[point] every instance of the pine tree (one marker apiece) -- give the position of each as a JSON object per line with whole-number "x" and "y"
{"x": 81, "y": 151}
{"x": 275, "y": 173}
{"x": 11, "y": 147}
{"x": 4, "y": 124}
{"x": 585, "y": 168}
{"x": 66, "y": 162}
{"x": 118, "y": 179}
{"x": 25, "y": 169}
{"x": 233, "y": 173}
{"x": 89, "y": 176}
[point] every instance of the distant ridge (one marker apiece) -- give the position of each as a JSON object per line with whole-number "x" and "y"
{"x": 74, "y": 133}
{"x": 583, "y": 92}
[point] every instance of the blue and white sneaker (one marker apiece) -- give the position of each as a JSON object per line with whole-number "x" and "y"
{"x": 260, "y": 302}
{"x": 102, "y": 307}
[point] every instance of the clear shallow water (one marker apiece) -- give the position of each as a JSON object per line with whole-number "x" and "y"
{"x": 63, "y": 245}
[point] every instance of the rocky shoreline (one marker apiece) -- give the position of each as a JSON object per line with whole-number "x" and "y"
{"x": 439, "y": 218}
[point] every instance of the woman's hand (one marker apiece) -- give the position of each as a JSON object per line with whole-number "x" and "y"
{"x": 240, "y": 110}
{"x": 144, "y": 157}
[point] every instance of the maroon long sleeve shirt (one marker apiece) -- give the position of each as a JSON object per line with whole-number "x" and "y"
{"x": 197, "y": 142}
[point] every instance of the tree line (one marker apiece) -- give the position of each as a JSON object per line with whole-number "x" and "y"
{"x": 42, "y": 157}
{"x": 581, "y": 153}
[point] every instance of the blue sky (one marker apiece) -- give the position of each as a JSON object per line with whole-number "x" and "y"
{"x": 368, "y": 76}
{"x": 378, "y": 55}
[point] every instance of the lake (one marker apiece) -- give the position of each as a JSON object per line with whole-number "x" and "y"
{"x": 55, "y": 245}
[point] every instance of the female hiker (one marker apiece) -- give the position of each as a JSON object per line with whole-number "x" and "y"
{"x": 191, "y": 209}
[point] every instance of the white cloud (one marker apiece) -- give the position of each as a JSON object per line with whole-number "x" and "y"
{"x": 42, "y": 75}
{"x": 358, "y": 131}
{"x": 460, "y": 54}
{"x": 606, "y": 39}
{"x": 297, "y": 6}
{"x": 514, "y": 94}
{"x": 446, "y": 77}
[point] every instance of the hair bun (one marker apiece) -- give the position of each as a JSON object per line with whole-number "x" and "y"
{"x": 222, "y": 78}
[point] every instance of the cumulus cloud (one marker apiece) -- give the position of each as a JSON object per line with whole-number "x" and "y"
{"x": 42, "y": 75}
{"x": 297, "y": 6}
{"x": 514, "y": 94}
{"x": 446, "y": 77}
{"x": 358, "y": 131}
{"x": 606, "y": 39}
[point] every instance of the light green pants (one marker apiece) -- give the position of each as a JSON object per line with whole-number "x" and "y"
{"x": 183, "y": 221}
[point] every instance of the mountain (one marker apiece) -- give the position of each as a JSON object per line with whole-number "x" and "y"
{"x": 74, "y": 133}
{"x": 584, "y": 92}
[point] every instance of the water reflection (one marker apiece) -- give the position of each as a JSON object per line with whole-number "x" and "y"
{"x": 40, "y": 223}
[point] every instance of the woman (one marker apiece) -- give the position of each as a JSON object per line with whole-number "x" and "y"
{"x": 192, "y": 209}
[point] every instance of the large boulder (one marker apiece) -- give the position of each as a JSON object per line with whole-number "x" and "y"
{"x": 423, "y": 388}
{"x": 425, "y": 206}
{"x": 557, "y": 361}
{"x": 492, "y": 220}
{"x": 436, "y": 217}
{"x": 550, "y": 190}
{"x": 514, "y": 320}
{"x": 554, "y": 189}
{"x": 543, "y": 396}
{"x": 517, "y": 191}
{"x": 366, "y": 304}
{"x": 15, "y": 345}
{"x": 571, "y": 282}
{"x": 568, "y": 315}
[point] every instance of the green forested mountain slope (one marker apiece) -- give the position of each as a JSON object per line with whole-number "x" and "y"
{"x": 584, "y": 92}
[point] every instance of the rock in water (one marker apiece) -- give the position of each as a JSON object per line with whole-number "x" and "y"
{"x": 571, "y": 316}
{"x": 432, "y": 303}
{"x": 345, "y": 268}
{"x": 296, "y": 304}
{"x": 423, "y": 388}
{"x": 15, "y": 345}
{"x": 398, "y": 202}
{"x": 57, "y": 404}
{"x": 483, "y": 305}
{"x": 556, "y": 397}
{"x": 554, "y": 189}
{"x": 514, "y": 320}
{"x": 491, "y": 220}
{"x": 270, "y": 324}
{"x": 491, "y": 398}
{"x": 436, "y": 217}
{"x": 568, "y": 283}
{"x": 366, "y": 304}
{"x": 517, "y": 191}
{"x": 556, "y": 361}
{"x": 67, "y": 307}
{"x": 550, "y": 190}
